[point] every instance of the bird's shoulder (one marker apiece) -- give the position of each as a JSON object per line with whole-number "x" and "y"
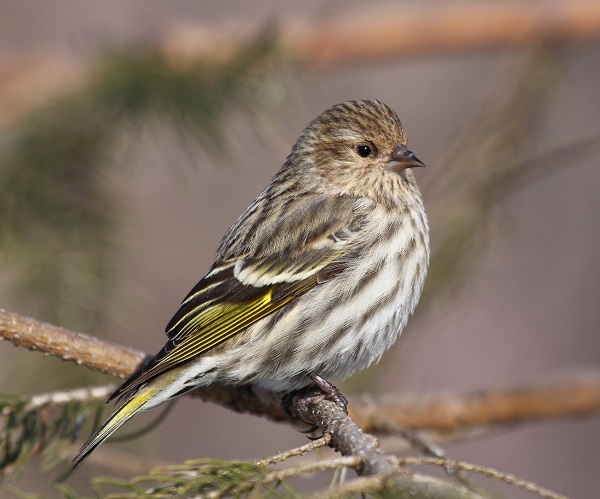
{"x": 303, "y": 222}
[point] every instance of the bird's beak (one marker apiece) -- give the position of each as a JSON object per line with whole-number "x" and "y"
{"x": 401, "y": 159}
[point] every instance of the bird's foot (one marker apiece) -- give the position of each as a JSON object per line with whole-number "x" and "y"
{"x": 320, "y": 387}
{"x": 330, "y": 391}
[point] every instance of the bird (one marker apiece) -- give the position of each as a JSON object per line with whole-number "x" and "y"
{"x": 316, "y": 279}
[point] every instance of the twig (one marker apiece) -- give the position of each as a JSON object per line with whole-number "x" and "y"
{"x": 423, "y": 487}
{"x": 66, "y": 396}
{"x": 485, "y": 471}
{"x": 298, "y": 451}
{"x": 312, "y": 467}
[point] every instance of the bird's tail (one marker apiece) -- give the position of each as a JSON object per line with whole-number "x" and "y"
{"x": 113, "y": 423}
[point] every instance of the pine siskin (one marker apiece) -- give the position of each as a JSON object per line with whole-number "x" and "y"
{"x": 316, "y": 279}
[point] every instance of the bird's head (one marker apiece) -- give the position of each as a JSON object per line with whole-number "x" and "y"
{"x": 358, "y": 148}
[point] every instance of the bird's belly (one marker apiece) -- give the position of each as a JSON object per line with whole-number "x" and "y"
{"x": 328, "y": 336}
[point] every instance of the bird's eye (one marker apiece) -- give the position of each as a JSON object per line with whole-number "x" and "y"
{"x": 364, "y": 150}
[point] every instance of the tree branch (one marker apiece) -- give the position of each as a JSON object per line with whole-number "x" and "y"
{"x": 395, "y": 31}
{"x": 385, "y": 33}
{"x": 572, "y": 395}
{"x": 84, "y": 350}
{"x": 346, "y": 437}
{"x": 568, "y": 395}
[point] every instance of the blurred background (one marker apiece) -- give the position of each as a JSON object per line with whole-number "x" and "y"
{"x": 117, "y": 181}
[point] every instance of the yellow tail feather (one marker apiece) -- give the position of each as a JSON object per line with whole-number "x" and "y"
{"x": 112, "y": 424}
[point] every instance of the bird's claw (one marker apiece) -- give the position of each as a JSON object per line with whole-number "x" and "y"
{"x": 330, "y": 391}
